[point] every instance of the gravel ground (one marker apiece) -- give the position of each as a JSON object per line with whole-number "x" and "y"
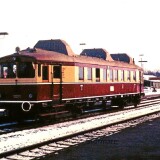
{"x": 20, "y": 139}
{"x": 136, "y": 143}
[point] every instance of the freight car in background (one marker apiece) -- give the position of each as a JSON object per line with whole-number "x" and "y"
{"x": 51, "y": 80}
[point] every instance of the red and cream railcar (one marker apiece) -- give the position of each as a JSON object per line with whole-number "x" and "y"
{"x": 50, "y": 76}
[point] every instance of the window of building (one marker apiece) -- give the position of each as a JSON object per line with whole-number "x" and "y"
{"x": 89, "y": 73}
{"x": 56, "y": 71}
{"x": 97, "y": 75}
{"x": 81, "y": 73}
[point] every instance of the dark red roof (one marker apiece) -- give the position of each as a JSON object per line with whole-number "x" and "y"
{"x": 48, "y": 51}
{"x": 50, "y": 56}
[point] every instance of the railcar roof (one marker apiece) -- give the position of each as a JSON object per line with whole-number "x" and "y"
{"x": 58, "y": 51}
{"x": 50, "y": 56}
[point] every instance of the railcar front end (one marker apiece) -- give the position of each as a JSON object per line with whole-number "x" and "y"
{"x": 21, "y": 92}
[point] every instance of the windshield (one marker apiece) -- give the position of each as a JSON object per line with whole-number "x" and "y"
{"x": 20, "y": 70}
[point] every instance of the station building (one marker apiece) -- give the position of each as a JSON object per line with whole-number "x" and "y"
{"x": 151, "y": 81}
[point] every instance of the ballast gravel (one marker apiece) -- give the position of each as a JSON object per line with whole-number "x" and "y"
{"x": 30, "y": 137}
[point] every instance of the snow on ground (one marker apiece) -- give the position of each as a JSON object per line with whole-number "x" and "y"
{"x": 150, "y": 91}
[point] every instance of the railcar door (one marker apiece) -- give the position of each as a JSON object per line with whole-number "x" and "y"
{"x": 45, "y": 75}
{"x": 57, "y": 83}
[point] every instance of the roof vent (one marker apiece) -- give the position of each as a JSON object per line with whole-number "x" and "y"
{"x": 123, "y": 57}
{"x": 97, "y": 52}
{"x": 55, "y": 45}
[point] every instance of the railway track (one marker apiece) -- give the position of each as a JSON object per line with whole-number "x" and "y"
{"x": 9, "y": 127}
{"x": 13, "y": 126}
{"x": 82, "y": 130}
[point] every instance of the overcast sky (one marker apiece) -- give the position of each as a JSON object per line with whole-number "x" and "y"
{"x": 119, "y": 26}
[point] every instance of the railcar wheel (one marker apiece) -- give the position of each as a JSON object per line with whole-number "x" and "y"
{"x": 136, "y": 101}
{"x": 122, "y": 103}
{"x": 135, "y": 105}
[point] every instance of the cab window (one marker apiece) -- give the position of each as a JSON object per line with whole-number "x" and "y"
{"x": 8, "y": 70}
{"x": 25, "y": 70}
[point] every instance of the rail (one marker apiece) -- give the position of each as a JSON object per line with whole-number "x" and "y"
{"x": 69, "y": 129}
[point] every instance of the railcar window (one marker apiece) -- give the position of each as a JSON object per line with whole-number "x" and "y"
{"x": 97, "y": 75}
{"x": 56, "y": 71}
{"x": 122, "y": 75}
{"x": 89, "y": 76}
{"x": 116, "y": 75}
{"x": 134, "y": 75}
{"x": 45, "y": 72}
{"x": 111, "y": 74}
{"x": 8, "y": 70}
{"x": 128, "y": 75}
{"x": 104, "y": 74}
{"x": 81, "y": 73}
{"x": 25, "y": 70}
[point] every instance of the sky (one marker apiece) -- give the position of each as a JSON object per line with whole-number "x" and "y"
{"x": 119, "y": 26}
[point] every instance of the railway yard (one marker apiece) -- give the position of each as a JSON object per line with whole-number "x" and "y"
{"x": 53, "y": 100}
{"x": 74, "y": 82}
{"x": 44, "y": 142}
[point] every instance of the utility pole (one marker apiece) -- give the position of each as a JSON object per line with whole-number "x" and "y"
{"x": 141, "y": 78}
{"x": 141, "y": 55}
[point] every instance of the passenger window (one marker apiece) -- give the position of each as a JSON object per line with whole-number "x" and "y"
{"x": 134, "y": 75}
{"x": 56, "y": 71}
{"x": 116, "y": 75}
{"x": 45, "y": 73}
{"x": 89, "y": 76}
{"x": 111, "y": 74}
{"x": 128, "y": 75}
{"x": 122, "y": 75}
{"x": 104, "y": 74}
{"x": 81, "y": 73}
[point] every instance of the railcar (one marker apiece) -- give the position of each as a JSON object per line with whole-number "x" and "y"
{"x": 51, "y": 80}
